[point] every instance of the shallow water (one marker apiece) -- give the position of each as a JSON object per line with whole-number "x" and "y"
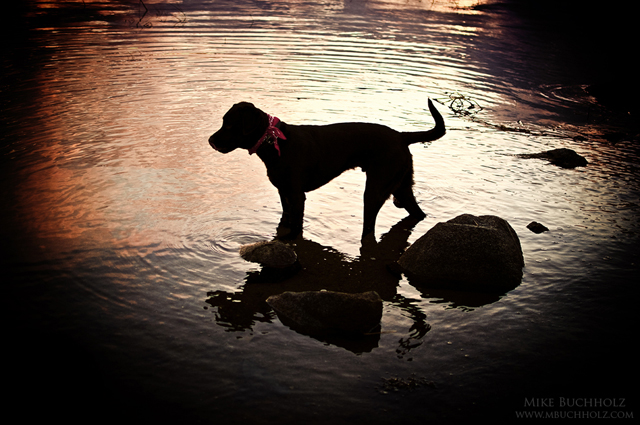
{"x": 122, "y": 225}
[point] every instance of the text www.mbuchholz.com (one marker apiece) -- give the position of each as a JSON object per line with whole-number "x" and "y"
{"x": 574, "y": 408}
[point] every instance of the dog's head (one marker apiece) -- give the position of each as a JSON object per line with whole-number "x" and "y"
{"x": 242, "y": 127}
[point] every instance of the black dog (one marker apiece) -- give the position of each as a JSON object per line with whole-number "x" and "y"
{"x": 301, "y": 158}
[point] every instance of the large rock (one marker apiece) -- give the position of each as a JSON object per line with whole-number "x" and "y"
{"x": 326, "y": 312}
{"x": 469, "y": 253}
{"x": 274, "y": 254}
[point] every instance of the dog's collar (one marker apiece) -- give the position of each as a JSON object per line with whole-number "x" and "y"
{"x": 271, "y": 134}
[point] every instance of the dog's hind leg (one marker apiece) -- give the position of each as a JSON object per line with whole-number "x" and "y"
{"x": 372, "y": 206}
{"x": 403, "y": 198}
{"x": 376, "y": 192}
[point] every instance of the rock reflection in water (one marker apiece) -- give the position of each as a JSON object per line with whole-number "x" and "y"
{"x": 328, "y": 269}
{"x": 324, "y": 268}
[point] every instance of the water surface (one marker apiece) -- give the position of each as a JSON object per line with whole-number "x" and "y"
{"x": 122, "y": 226}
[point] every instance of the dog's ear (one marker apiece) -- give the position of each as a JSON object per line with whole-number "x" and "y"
{"x": 250, "y": 117}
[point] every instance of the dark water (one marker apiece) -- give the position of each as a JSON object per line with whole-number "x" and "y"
{"x": 127, "y": 299}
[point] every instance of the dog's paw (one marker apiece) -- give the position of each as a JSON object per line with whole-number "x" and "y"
{"x": 417, "y": 215}
{"x": 287, "y": 234}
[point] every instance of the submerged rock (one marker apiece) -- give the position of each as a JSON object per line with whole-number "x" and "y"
{"x": 469, "y": 253}
{"x": 274, "y": 254}
{"x": 536, "y": 227}
{"x": 563, "y": 157}
{"x": 326, "y": 312}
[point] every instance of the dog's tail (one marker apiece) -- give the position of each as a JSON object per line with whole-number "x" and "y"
{"x": 427, "y": 136}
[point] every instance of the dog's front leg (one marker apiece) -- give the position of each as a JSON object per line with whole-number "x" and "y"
{"x": 292, "y": 214}
{"x": 286, "y": 211}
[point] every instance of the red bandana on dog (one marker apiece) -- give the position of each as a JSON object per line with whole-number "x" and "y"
{"x": 271, "y": 132}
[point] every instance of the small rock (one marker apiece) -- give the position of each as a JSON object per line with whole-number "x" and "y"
{"x": 536, "y": 227}
{"x": 274, "y": 254}
{"x": 326, "y": 312}
{"x": 565, "y": 158}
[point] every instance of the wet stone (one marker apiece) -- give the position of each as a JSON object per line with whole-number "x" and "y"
{"x": 536, "y": 227}
{"x": 327, "y": 312}
{"x": 273, "y": 254}
{"x": 563, "y": 157}
{"x": 472, "y": 253}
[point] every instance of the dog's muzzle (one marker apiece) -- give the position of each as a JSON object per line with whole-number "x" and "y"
{"x": 213, "y": 145}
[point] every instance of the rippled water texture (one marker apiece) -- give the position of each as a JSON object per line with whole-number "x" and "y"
{"x": 121, "y": 226}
